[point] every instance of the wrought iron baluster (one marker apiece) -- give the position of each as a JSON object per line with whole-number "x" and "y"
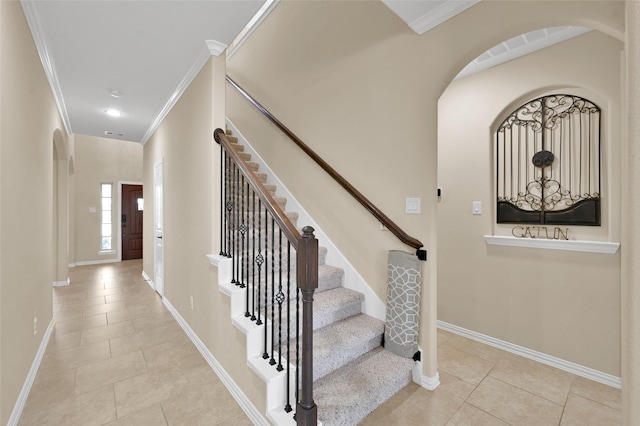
{"x": 236, "y": 226}
{"x": 236, "y": 249}
{"x": 229, "y": 203}
{"x": 223, "y": 209}
{"x": 259, "y": 260}
{"x": 265, "y": 353}
{"x": 280, "y": 299}
{"x": 272, "y": 361}
{"x": 287, "y": 407}
{"x": 253, "y": 255}
{"x": 297, "y": 390}
{"x": 245, "y": 242}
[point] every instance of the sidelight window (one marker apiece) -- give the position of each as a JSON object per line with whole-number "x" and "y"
{"x": 106, "y": 215}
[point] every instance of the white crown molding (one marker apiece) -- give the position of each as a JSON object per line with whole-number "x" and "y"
{"x": 241, "y": 398}
{"x": 245, "y": 34}
{"x": 440, "y": 14}
{"x": 215, "y": 47}
{"x": 31, "y": 377}
{"x": 202, "y": 59}
{"x": 543, "y": 243}
{"x": 571, "y": 367}
{"x": 31, "y": 15}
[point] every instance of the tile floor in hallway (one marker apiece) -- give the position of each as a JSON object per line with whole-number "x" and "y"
{"x": 118, "y": 357}
{"x": 484, "y": 386}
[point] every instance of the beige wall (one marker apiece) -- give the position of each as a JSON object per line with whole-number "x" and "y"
{"x": 530, "y": 297}
{"x": 28, "y": 118}
{"x": 363, "y": 94}
{"x": 99, "y": 160}
{"x": 184, "y": 142}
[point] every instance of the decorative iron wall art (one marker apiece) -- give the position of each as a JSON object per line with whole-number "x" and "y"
{"x": 548, "y": 163}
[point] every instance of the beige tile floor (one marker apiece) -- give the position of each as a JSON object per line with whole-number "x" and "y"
{"x": 118, "y": 357}
{"x": 485, "y": 386}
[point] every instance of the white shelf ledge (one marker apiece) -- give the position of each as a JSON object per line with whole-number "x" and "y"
{"x": 568, "y": 245}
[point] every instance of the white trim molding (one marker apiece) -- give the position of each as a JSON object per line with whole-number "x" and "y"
{"x": 253, "y": 24}
{"x": 149, "y": 281}
{"x": 93, "y": 262}
{"x": 440, "y": 14}
{"x": 62, "y": 283}
{"x": 200, "y": 61}
{"x": 568, "y": 366}
{"x": 215, "y": 47}
{"x": 245, "y": 403}
{"x": 541, "y": 243}
{"x": 31, "y": 377}
{"x": 33, "y": 20}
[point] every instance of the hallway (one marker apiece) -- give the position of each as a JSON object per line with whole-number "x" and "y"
{"x": 118, "y": 357}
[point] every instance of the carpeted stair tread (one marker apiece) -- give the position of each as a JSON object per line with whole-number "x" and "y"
{"x": 329, "y": 277}
{"x": 342, "y": 342}
{"x": 345, "y": 397}
{"x": 335, "y": 305}
{"x": 328, "y": 307}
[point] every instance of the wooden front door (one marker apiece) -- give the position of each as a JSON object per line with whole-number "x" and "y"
{"x": 131, "y": 222}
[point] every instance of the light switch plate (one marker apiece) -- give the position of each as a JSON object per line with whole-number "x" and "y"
{"x": 476, "y": 207}
{"x": 412, "y": 206}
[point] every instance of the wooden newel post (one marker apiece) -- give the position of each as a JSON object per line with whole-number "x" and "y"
{"x": 307, "y": 411}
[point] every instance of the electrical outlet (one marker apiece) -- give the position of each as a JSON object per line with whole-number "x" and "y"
{"x": 35, "y": 325}
{"x": 191, "y": 302}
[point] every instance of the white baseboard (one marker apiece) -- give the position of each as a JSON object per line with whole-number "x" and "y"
{"x": 250, "y": 410}
{"x": 568, "y": 366}
{"x": 93, "y": 262}
{"x": 62, "y": 283}
{"x": 149, "y": 281}
{"x": 31, "y": 376}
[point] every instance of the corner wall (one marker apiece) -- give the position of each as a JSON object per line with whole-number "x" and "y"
{"x": 184, "y": 142}
{"x": 28, "y": 119}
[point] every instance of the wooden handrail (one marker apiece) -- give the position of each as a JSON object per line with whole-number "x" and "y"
{"x": 368, "y": 205}
{"x": 290, "y": 231}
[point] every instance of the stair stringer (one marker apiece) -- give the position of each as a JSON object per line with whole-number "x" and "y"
{"x": 275, "y": 382}
{"x": 372, "y": 305}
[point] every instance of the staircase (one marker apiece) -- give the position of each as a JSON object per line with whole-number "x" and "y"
{"x": 353, "y": 374}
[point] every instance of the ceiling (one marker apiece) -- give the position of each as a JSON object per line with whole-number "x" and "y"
{"x": 143, "y": 52}
{"x": 138, "y": 57}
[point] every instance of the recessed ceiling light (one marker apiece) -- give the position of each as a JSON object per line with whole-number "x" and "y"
{"x": 115, "y": 93}
{"x": 113, "y": 112}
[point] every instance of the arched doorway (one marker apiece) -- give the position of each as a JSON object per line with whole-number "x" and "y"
{"x": 60, "y": 209}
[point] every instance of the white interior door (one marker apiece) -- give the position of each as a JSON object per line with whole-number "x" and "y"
{"x": 158, "y": 243}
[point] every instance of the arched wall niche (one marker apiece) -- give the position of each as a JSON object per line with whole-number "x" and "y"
{"x": 517, "y": 284}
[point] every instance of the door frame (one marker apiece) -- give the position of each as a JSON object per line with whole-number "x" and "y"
{"x": 160, "y": 291}
{"x": 119, "y": 215}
